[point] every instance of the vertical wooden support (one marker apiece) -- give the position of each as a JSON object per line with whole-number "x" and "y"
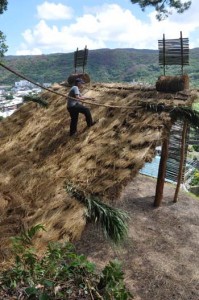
{"x": 85, "y": 57}
{"x": 182, "y": 158}
{"x": 182, "y": 52}
{"x": 80, "y": 58}
{"x": 75, "y": 60}
{"x": 164, "y": 53}
{"x": 161, "y": 173}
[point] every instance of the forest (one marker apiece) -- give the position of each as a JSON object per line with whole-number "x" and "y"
{"x": 104, "y": 65}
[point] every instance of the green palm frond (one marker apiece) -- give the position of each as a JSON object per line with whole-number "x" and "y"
{"x": 176, "y": 113}
{"x": 112, "y": 221}
{"x": 26, "y": 237}
{"x": 153, "y": 107}
{"x": 186, "y": 113}
{"x": 35, "y": 99}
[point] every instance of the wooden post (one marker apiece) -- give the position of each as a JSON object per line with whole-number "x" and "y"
{"x": 75, "y": 60}
{"x": 182, "y": 158}
{"x": 161, "y": 174}
{"x": 164, "y": 53}
{"x": 182, "y": 52}
{"x": 85, "y": 57}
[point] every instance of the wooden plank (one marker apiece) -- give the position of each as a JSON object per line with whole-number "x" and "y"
{"x": 161, "y": 174}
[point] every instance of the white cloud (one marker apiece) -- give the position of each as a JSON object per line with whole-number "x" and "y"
{"x": 111, "y": 26}
{"x": 34, "y": 51}
{"x": 177, "y": 23}
{"x": 52, "y": 11}
{"x": 52, "y": 40}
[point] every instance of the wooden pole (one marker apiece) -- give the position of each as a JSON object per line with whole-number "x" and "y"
{"x": 182, "y": 52}
{"x": 164, "y": 53}
{"x": 75, "y": 60}
{"x": 85, "y": 57}
{"x": 161, "y": 173}
{"x": 182, "y": 158}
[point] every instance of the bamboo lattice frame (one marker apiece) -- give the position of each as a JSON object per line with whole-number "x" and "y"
{"x": 80, "y": 58}
{"x": 173, "y": 52}
{"x": 173, "y": 160}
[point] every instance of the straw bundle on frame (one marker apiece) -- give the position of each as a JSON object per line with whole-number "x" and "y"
{"x": 84, "y": 76}
{"x": 172, "y": 84}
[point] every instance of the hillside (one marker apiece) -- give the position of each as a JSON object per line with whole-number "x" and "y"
{"x": 38, "y": 159}
{"x": 104, "y": 65}
{"x": 160, "y": 256}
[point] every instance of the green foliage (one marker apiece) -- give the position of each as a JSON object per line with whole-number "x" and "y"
{"x": 196, "y": 148}
{"x": 36, "y": 99}
{"x": 195, "y": 179}
{"x": 163, "y": 7}
{"x": 104, "y": 65}
{"x": 186, "y": 113}
{"x": 3, "y": 46}
{"x": 60, "y": 273}
{"x": 112, "y": 282}
{"x": 176, "y": 113}
{"x": 26, "y": 237}
{"x": 195, "y": 106}
{"x": 9, "y": 97}
{"x": 3, "y": 5}
{"x": 111, "y": 220}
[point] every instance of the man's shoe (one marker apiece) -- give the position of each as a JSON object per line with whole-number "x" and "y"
{"x": 94, "y": 122}
{"x": 73, "y": 134}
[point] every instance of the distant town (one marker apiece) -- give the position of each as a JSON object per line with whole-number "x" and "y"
{"x": 11, "y": 97}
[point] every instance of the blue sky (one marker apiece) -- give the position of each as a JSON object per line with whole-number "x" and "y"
{"x": 42, "y": 27}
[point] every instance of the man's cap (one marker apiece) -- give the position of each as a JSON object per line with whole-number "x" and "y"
{"x": 79, "y": 80}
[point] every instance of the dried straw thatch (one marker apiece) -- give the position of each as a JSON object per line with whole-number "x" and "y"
{"x": 72, "y": 77}
{"x": 170, "y": 84}
{"x": 37, "y": 157}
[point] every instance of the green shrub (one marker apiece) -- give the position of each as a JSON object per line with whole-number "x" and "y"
{"x": 36, "y": 99}
{"x": 112, "y": 282}
{"x": 195, "y": 179}
{"x": 60, "y": 273}
{"x": 196, "y": 148}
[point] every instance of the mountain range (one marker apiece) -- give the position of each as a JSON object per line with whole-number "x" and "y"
{"x": 103, "y": 65}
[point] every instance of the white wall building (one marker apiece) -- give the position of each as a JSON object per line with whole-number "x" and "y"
{"x": 23, "y": 83}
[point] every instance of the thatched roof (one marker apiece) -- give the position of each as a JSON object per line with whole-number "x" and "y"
{"x": 37, "y": 157}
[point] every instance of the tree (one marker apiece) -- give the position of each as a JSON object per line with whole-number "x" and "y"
{"x": 163, "y": 7}
{"x": 3, "y": 5}
{"x": 3, "y": 46}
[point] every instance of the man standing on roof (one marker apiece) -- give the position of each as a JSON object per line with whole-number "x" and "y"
{"x": 75, "y": 107}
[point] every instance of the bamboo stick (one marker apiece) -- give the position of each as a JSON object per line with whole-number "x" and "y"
{"x": 161, "y": 174}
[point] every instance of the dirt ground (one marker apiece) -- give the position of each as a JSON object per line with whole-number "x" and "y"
{"x": 160, "y": 257}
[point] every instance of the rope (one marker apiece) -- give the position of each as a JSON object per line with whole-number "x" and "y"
{"x": 62, "y": 95}
{"x": 35, "y": 83}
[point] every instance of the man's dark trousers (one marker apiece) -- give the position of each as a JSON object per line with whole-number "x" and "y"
{"x": 74, "y": 114}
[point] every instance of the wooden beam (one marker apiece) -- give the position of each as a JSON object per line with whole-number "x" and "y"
{"x": 161, "y": 174}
